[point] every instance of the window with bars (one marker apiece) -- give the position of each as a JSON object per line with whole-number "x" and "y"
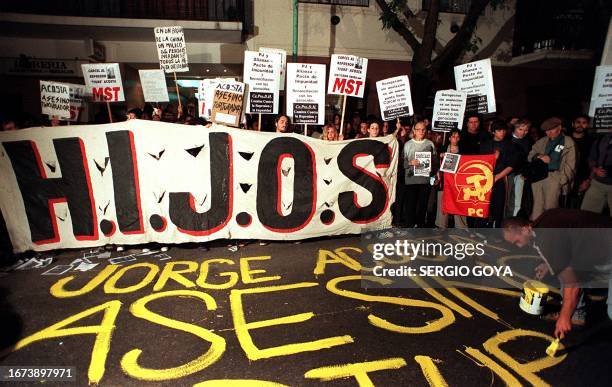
{"x": 356, "y": 3}
{"x": 451, "y": 6}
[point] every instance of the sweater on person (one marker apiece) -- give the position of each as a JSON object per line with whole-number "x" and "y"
{"x": 410, "y": 150}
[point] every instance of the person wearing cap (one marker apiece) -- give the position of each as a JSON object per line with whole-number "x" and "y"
{"x": 570, "y": 244}
{"x": 558, "y": 151}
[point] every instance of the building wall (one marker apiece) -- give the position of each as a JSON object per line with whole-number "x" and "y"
{"x": 360, "y": 30}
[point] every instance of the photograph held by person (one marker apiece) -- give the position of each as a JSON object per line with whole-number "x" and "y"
{"x": 417, "y": 188}
{"x": 567, "y": 241}
{"x": 558, "y": 152}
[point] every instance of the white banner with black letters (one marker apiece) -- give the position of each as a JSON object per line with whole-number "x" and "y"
{"x": 144, "y": 181}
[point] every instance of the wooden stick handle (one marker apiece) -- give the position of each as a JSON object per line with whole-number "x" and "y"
{"x": 178, "y": 94}
{"x": 110, "y": 114}
{"x": 259, "y": 123}
{"x": 342, "y": 118}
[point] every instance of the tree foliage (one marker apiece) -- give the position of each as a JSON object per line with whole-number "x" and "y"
{"x": 397, "y": 15}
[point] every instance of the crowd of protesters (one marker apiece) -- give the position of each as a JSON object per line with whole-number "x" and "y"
{"x": 538, "y": 167}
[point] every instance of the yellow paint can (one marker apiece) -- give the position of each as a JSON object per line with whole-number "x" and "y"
{"x": 534, "y": 293}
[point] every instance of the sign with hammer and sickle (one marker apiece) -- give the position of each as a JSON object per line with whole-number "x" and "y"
{"x": 468, "y": 192}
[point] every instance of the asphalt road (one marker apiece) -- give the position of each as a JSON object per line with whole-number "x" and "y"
{"x": 194, "y": 333}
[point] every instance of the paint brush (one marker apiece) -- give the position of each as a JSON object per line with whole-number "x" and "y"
{"x": 552, "y": 348}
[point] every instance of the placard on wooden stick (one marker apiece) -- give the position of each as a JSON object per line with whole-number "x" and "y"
{"x": 228, "y": 102}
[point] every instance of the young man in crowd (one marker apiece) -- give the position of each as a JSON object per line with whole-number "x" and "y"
{"x": 572, "y": 248}
{"x": 584, "y": 141}
{"x": 516, "y": 182}
{"x": 504, "y": 152}
{"x": 282, "y": 124}
{"x": 472, "y": 135}
{"x": 558, "y": 151}
{"x": 599, "y": 190}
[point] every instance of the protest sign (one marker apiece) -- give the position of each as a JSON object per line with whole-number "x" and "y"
{"x": 468, "y": 191}
{"x": 78, "y": 105}
{"x": 103, "y": 81}
{"x": 158, "y": 182}
{"x": 171, "y": 49}
{"x": 450, "y": 163}
{"x": 476, "y": 80}
{"x": 206, "y": 95}
{"x": 306, "y": 93}
{"x": 262, "y": 73}
{"x": 153, "y": 84}
{"x": 227, "y": 102}
{"x": 449, "y": 109}
{"x": 283, "y": 54}
{"x": 424, "y": 166}
{"x": 55, "y": 99}
{"x": 601, "y": 98}
{"x": 394, "y": 97}
{"x": 347, "y": 75}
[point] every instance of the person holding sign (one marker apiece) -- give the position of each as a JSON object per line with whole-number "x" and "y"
{"x": 418, "y": 187}
{"x": 504, "y": 164}
{"x": 442, "y": 217}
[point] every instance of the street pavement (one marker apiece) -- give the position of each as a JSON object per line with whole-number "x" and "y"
{"x": 285, "y": 313}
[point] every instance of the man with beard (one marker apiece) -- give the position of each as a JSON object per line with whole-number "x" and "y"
{"x": 583, "y": 141}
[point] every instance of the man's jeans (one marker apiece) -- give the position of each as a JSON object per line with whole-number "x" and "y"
{"x": 515, "y": 194}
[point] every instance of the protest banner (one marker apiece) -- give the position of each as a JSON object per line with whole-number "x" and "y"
{"x": 476, "y": 80}
{"x": 55, "y": 99}
{"x": 601, "y": 98}
{"x": 306, "y": 93}
{"x": 78, "y": 104}
{"x": 262, "y": 73}
{"x": 394, "y": 97}
{"x": 468, "y": 191}
{"x": 228, "y": 102}
{"x": 103, "y": 81}
{"x": 169, "y": 183}
{"x": 283, "y": 66}
{"x": 449, "y": 109}
{"x": 153, "y": 84}
{"x": 171, "y": 49}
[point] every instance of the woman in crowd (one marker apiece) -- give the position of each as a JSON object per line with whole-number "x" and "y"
{"x": 374, "y": 129}
{"x": 417, "y": 187}
{"x": 442, "y": 217}
{"x": 402, "y": 133}
{"x": 330, "y": 133}
{"x": 363, "y": 130}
